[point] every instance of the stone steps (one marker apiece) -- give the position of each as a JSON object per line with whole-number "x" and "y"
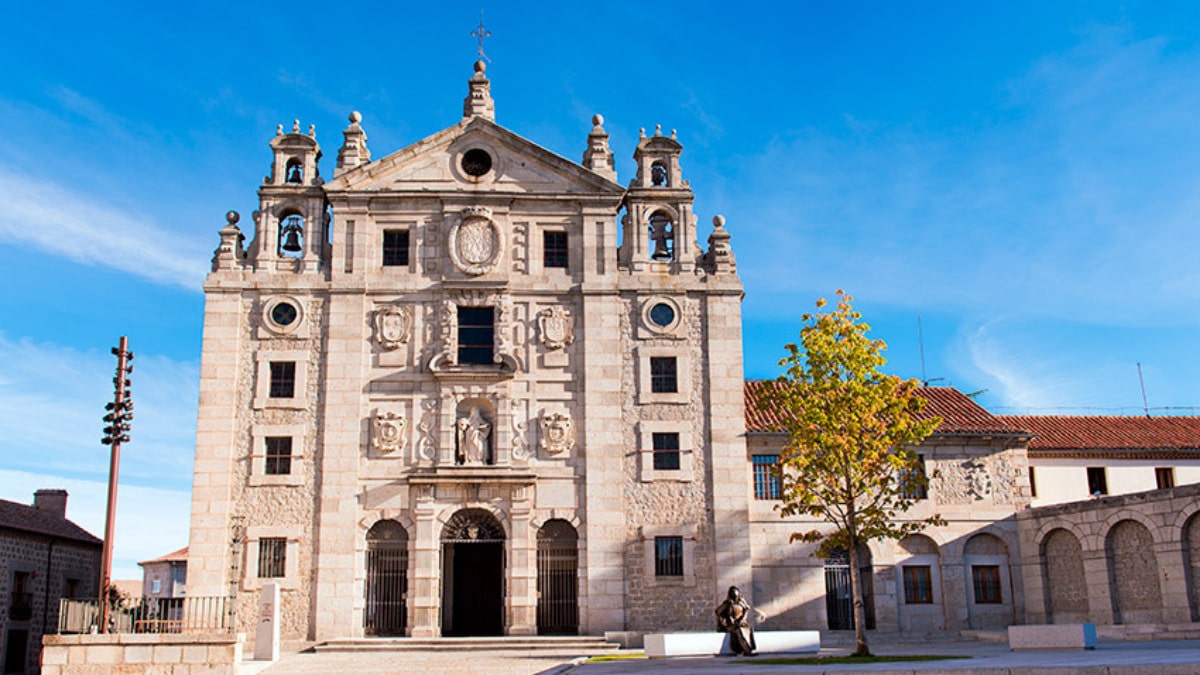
{"x": 583, "y": 645}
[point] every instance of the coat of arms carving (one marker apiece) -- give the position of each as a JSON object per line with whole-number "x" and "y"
{"x": 557, "y": 433}
{"x": 393, "y": 325}
{"x": 388, "y": 432}
{"x": 476, "y": 241}
{"x": 555, "y": 327}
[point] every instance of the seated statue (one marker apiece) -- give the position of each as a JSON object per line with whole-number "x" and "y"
{"x": 733, "y": 617}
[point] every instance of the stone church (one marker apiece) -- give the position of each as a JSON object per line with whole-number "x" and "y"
{"x": 474, "y": 388}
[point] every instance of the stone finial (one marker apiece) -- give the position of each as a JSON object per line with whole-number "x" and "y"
{"x": 295, "y": 126}
{"x": 642, "y": 132}
{"x": 658, "y": 130}
{"x": 354, "y": 151}
{"x": 279, "y": 130}
{"x": 720, "y": 256}
{"x": 312, "y": 131}
{"x": 599, "y": 157}
{"x": 230, "y": 252}
{"x": 478, "y": 102}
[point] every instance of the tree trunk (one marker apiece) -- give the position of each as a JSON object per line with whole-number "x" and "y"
{"x": 860, "y": 616}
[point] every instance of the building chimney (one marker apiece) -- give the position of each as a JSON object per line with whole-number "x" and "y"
{"x": 51, "y": 501}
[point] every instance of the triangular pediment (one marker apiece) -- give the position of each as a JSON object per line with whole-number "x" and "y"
{"x": 434, "y": 164}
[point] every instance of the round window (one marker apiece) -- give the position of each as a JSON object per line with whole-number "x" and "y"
{"x": 284, "y": 314}
{"x": 476, "y": 162}
{"x": 662, "y": 315}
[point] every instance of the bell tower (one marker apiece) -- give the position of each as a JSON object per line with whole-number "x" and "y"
{"x": 291, "y": 226}
{"x": 659, "y": 227}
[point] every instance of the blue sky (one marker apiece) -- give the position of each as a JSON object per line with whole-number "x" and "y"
{"x": 1020, "y": 174}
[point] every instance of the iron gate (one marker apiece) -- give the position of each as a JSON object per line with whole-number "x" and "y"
{"x": 387, "y": 580}
{"x": 558, "y": 579}
{"x": 839, "y": 603}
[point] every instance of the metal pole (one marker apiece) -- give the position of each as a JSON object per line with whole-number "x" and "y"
{"x": 114, "y": 464}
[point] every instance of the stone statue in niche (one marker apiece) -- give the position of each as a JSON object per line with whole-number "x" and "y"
{"x": 392, "y": 326}
{"x": 555, "y": 327}
{"x": 557, "y": 433}
{"x": 387, "y": 432}
{"x": 473, "y": 435}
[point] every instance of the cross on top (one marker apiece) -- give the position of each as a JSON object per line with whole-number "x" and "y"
{"x": 481, "y": 32}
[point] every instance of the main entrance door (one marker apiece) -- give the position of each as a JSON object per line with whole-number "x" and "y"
{"x": 472, "y": 575}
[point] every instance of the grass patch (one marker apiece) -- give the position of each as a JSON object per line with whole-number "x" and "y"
{"x": 834, "y": 660}
{"x": 614, "y": 657}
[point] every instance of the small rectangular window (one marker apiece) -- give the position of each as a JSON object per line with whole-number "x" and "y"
{"x": 1164, "y": 477}
{"x": 21, "y": 603}
{"x": 913, "y": 482}
{"x": 283, "y": 379}
{"x": 272, "y": 557}
{"x": 1032, "y": 483}
{"x": 476, "y": 335}
{"x": 1097, "y": 481}
{"x": 71, "y": 588}
{"x": 663, "y": 375}
{"x": 918, "y": 585}
{"x": 278, "y": 461}
{"x": 554, "y": 249}
{"x": 668, "y": 556}
{"x": 666, "y": 451}
{"x": 395, "y": 248}
{"x": 766, "y": 476}
{"x": 156, "y": 586}
{"x": 986, "y": 580}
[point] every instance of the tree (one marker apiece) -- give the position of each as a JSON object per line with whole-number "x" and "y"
{"x": 850, "y": 459}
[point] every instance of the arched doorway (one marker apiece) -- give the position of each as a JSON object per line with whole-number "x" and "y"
{"x": 989, "y": 583}
{"x": 839, "y": 603}
{"x": 473, "y": 574}
{"x": 387, "y": 580}
{"x": 558, "y": 583}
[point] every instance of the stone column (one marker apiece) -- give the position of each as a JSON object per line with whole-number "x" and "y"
{"x": 522, "y": 566}
{"x": 1173, "y": 580}
{"x": 1095, "y": 570}
{"x": 423, "y": 592}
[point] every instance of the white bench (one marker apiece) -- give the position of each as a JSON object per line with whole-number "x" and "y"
{"x": 662, "y": 645}
{"x": 1053, "y": 636}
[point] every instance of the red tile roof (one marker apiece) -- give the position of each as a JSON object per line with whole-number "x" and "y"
{"x": 174, "y": 556}
{"x": 960, "y": 414}
{"x": 28, "y": 518}
{"x": 1141, "y": 437}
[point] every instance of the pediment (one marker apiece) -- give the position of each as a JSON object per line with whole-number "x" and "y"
{"x": 434, "y": 164}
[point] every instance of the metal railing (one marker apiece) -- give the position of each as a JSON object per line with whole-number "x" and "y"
{"x": 150, "y": 615}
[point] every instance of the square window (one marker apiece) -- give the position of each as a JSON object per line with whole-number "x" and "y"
{"x": 1164, "y": 477}
{"x": 395, "y": 248}
{"x": 913, "y": 482}
{"x": 918, "y": 585}
{"x": 663, "y": 375}
{"x": 1097, "y": 481}
{"x": 476, "y": 335}
{"x": 666, "y": 451}
{"x": 554, "y": 249}
{"x": 668, "y": 556}
{"x": 767, "y": 484}
{"x": 272, "y": 557}
{"x": 986, "y": 581}
{"x": 278, "y": 460}
{"x": 283, "y": 379}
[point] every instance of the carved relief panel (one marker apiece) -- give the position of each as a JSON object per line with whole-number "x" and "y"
{"x": 476, "y": 243}
{"x": 558, "y": 433}
{"x": 555, "y": 327}
{"x": 388, "y": 433}
{"x": 393, "y": 326}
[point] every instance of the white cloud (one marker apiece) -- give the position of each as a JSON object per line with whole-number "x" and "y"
{"x": 85, "y": 229}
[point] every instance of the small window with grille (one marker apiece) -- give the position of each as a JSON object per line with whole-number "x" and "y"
{"x": 666, "y": 451}
{"x": 986, "y": 581}
{"x": 554, "y": 249}
{"x": 272, "y": 557}
{"x": 283, "y": 379}
{"x": 395, "y": 248}
{"x": 668, "y": 556}
{"x": 766, "y": 476}
{"x": 476, "y": 335}
{"x": 918, "y": 585}
{"x": 664, "y": 378}
{"x": 278, "y": 456}
{"x": 913, "y": 483}
{"x": 1164, "y": 477}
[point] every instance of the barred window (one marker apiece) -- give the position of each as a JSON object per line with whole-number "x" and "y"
{"x": 272, "y": 557}
{"x": 912, "y": 482}
{"x": 668, "y": 556}
{"x": 476, "y": 335}
{"x": 766, "y": 476}
{"x": 1164, "y": 477}
{"x": 283, "y": 379}
{"x": 666, "y": 451}
{"x": 918, "y": 585}
{"x": 554, "y": 249}
{"x": 986, "y": 580}
{"x": 278, "y": 456}
{"x": 663, "y": 375}
{"x": 395, "y": 248}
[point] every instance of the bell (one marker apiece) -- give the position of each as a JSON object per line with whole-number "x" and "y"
{"x": 291, "y": 241}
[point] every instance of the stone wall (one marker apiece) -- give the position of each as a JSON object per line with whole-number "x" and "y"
{"x": 121, "y": 654}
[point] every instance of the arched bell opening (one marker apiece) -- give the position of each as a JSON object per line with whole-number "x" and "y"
{"x": 558, "y": 579}
{"x": 386, "y": 611}
{"x": 662, "y": 237}
{"x": 291, "y": 235}
{"x": 294, "y": 172}
{"x": 472, "y": 575}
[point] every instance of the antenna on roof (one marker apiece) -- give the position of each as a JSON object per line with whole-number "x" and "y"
{"x": 921, "y": 344}
{"x": 1142, "y": 382}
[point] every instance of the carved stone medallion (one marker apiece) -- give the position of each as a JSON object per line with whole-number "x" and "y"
{"x": 555, "y": 327}
{"x": 393, "y": 325}
{"x": 476, "y": 241}
{"x": 557, "y": 433}
{"x": 387, "y": 432}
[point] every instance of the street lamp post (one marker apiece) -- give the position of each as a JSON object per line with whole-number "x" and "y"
{"x": 118, "y": 417}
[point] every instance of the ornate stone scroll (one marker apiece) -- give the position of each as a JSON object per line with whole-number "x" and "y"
{"x": 387, "y": 432}
{"x": 427, "y": 446}
{"x": 555, "y": 327}
{"x": 476, "y": 242}
{"x": 393, "y": 325}
{"x": 558, "y": 433}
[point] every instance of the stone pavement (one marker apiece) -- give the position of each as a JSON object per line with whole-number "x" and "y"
{"x": 1176, "y": 657}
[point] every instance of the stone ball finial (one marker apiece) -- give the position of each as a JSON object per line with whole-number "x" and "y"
{"x": 718, "y": 221}
{"x": 295, "y": 126}
{"x": 658, "y": 130}
{"x": 355, "y": 117}
{"x": 642, "y": 132}
{"x": 232, "y": 217}
{"x": 279, "y": 130}
{"x": 480, "y": 66}
{"x": 598, "y": 120}
{"x": 673, "y": 134}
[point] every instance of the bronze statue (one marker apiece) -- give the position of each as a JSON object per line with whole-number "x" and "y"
{"x": 733, "y": 617}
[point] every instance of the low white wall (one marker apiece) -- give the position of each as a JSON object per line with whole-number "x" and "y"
{"x": 123, "y": 653}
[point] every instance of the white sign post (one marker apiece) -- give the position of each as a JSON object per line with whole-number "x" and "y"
{"x": 266, "y": 636}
